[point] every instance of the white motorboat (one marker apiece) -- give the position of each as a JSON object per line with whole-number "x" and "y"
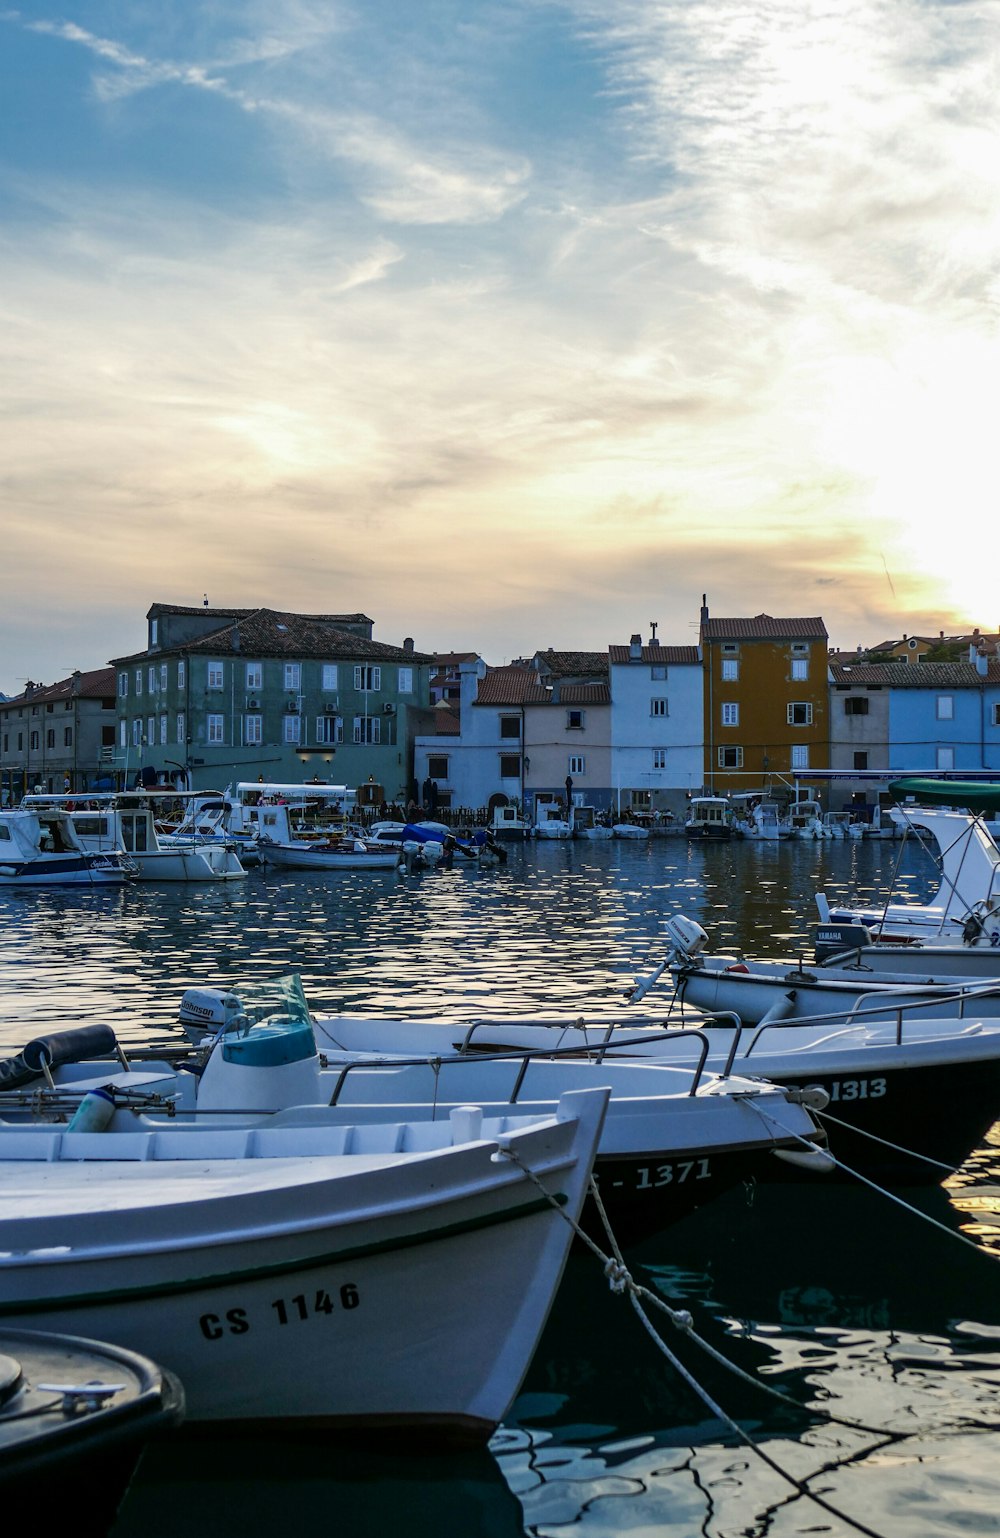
{"x": 805, "y": 820}
{"x": 293, "y": 1266}
{"x": 331, "y": 853}
{"x": 550, "y": 818}
{"x": 711, "y": 1133}
{"x": 587, "y": 825}
{"x": 124, "y": 823}
{"x": 508, "y": 823}
{"x": 757, "y": 817}
{"x": 758, "y": 990}
{"x": 968, "y": 861}
{"x": 634, "y": 830}
{"x": 927, "y": 959}
{"x": 39, "y": 846}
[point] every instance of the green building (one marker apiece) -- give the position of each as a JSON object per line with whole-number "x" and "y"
{"x": 221, "y": 695}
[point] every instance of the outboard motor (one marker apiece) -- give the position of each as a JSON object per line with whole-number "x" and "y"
{"x": 204, "y": 1011}
{"x": 832, "y": 942}
{"x": 687, "y": 937}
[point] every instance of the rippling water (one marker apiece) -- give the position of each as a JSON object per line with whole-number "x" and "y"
{"x": 836, "y": 1295}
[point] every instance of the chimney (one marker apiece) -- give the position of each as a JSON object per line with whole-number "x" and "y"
{"x": 234, "y": 636}
{"x": 982, "y": 663}
{"x": 635, "y": 648}
{"x": 76, "y": 681}
{"x": 704, "y": 608}
{"x": 408, "y": 644}
{"x": 652, "y": 631}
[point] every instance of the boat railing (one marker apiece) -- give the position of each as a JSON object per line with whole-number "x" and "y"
{"x": 863, "y": 1012}
{"x": 527, "y": 1055}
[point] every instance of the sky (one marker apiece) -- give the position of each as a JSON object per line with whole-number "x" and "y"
{"x": 509, "y": 323}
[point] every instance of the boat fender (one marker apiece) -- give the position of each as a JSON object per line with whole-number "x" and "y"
{"x": 817, "y": 1159}
{"x": 813, "y": 1096}
{"x": 738, "y": 966}
{"x": 86, "y": 1041}
{"x": 781, "y": 1009}
{"x": 94, "y": 1112}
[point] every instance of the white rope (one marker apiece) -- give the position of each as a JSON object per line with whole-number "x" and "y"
{"x": 621, "y": 1283}
{"x": 949, "y": 1169}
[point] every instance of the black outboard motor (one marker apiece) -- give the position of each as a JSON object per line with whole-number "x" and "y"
{"x": 839, "y": 942}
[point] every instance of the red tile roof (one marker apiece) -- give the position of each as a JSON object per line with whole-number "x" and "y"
{"x": 656, "y": 653}
{"x": 273, "y": 633}
{"x": 764, "y": 627}
{"x": 98, "y": 684}
{"x": 916, "y": 675}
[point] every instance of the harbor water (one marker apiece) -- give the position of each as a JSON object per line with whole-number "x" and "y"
{"x": 880, "y": 1309}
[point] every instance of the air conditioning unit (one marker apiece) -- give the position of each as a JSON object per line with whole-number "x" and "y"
{"x": 388, "y": 710}
{"x": 253, "y": 705}
{"x": 330, "y": 710}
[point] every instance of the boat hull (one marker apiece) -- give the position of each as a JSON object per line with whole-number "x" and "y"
{"x": 404, "y": 1292}
{"x": 290, "y": 857}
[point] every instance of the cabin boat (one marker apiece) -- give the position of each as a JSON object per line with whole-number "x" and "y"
{"x": 756, "y": 816}
{"x": 709, "y": 817}
{"x": 291, "y": 1266}
{"x": 507, "y": 823}
{"x": 843, "y": 825}
{"x": 586, "y": 824}
{"x": 805, "y": 819}
{"x": 550, "y": 818}
{"x": 124, "y": 822}
{"x": 966, "y": 904}
{"x": 39, "y": 846}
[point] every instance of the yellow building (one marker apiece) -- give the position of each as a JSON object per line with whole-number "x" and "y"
{"x": 766, "y": 699}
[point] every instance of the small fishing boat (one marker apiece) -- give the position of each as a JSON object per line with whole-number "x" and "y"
{"x": 292, "y": 1265}
{"x": 74, "y": 1417}
{"x": 508, "y": 823}
{"x": 551, "y": 821}
{"x": 124, "y": 823}
{"x": 636, "y": 830}
{"x": 586, "y": 824}
{"x": 709, "y": 817}
{"x": 39, "y": 846}
{"x": 334, "y": 852}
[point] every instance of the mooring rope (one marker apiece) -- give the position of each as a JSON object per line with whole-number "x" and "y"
{"x": 873, "y": 1185}
{"x": 838, "y": 1121}
{"x": 622, "y": 1283}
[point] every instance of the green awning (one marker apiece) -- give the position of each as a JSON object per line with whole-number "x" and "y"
{"x": 977, "y": 795}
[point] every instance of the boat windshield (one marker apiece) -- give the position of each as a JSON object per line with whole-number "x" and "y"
{"x": 280, "y": 1001}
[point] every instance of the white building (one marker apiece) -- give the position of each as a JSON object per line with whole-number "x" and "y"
{"x": 657, "y": 725}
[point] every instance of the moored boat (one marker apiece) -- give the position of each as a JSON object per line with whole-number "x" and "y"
{"x": 39, "y": 847}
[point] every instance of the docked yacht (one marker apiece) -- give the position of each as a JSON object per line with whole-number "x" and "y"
{"x": 124, "y": 823}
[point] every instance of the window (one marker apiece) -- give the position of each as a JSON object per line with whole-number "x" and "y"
{"x": 658, "y": 707}
{"x": 50, "y": 738}
{"x": 154, "y": 631}
{"x": 292, "y": 729}
{"x": 137, "y": 733}
{"x": 800, "y": 757}
{"x": 405, "y": 681}
{"x": 730, "y": 715}
{"x": 510, "y": 726}
{"x": 6, "y": 742}
{"x": 123, "y": 686}
{"x": 330, "y": 678}
{"x": 856, "y": 705}
{"x": 800, "y": 713}
{"x": 861, "y": 760}
{"x": 253, "y": 730}
{"x": 658, "y": 670}
{"x": 367, "y": 678}
{"x": 800, "y": 669}
{"x": 153, "y": 679}
{"x": 574, "y": 720}
{"x": 800, "y": 647}
{"x": 138, "y": 682}
{"x": 163, "y": 677}
{"x": 20, "y": 741}
{"x": 255, "y": 675}
{"x": 730, "y": 758}
{"x": 437, "y": 766}
{"x": 163, "y": 730}
{"x": 181, "y": 726}
{"x": 151, "y": 730}
{"x": 68, "y": 736}
{"x": 730, "y": 670}
{"x": 510, "y": 766}
{"x": 946, "y": 758}
{"x": 33, "y": 740}
{"x": 730, "y": 646}
{"x": 945, "y": 707}
{"x": 659, "y": 758}
{"x": 216, "y": 728}
{"x": 577, "y": 763}
{"x": 367, "y": 729}
{"x": 123, "y": 733}
{"x": 995, "y": 715}
{"x": 181, "y": 673}
{"x": 215, "y": 675}
{"x": 293, "y": 676}
{"x": 108, "y": 737}
{"x": 329, "y": 729}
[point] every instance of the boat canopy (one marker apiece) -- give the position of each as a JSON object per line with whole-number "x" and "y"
{"x": 977, "y": 795}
